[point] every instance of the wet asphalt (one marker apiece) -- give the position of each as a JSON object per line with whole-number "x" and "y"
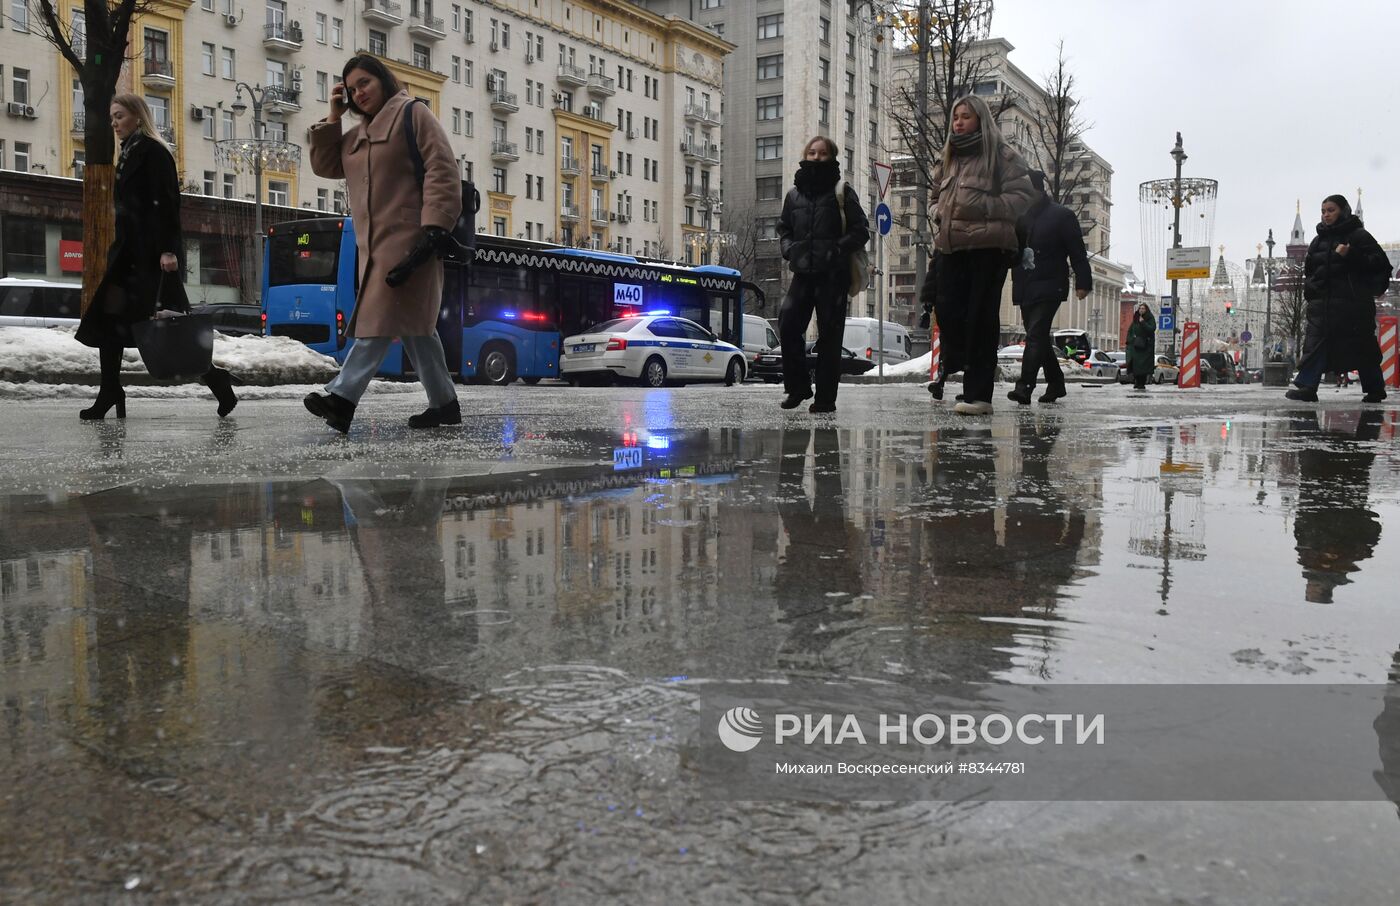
{"x": 253, "y": 661}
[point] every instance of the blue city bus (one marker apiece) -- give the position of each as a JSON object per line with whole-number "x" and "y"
{"x": 505, "y": 315}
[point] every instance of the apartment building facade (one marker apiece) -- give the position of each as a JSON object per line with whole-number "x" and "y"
{"x": 801, "y": 68}
{"x": 568, "y": 114}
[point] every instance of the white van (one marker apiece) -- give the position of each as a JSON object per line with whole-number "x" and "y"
{"x": 759, "y": 337}
{"x": 862, "y": 337}
{"x": 28, "y": 302}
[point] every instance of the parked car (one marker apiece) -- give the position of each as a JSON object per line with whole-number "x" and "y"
{"x": 651, "y": 349}
{"x": 233, "y": 319}
{"x": 758, "y": 336}
{"x": 1100, "y": 365}
{"x": 26, "y": 302}
{"x": 1166, "y": 371}
{"x": 1216, "y": 368}
{"x": 769, "y": 366}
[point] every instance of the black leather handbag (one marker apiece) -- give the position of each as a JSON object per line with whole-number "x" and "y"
{"x": 175, "y": 346}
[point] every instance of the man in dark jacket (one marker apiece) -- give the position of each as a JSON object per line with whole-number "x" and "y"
{"x": 1050, "y": 234}
{"x": 817, "y": 246}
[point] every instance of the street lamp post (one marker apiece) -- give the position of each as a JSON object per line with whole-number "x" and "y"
{"x": 1269, "y": 299}
{"x": 1178, "y": 155}
{"x": 260, "y": 154}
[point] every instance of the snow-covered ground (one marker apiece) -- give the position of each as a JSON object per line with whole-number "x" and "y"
{"x": 51, "y": 354}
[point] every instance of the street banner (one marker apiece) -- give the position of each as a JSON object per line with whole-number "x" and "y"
{"x": 1190, "y": 374}
{"x": 1390, "y": 352}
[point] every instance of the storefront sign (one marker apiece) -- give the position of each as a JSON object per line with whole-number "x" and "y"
{"x": 70, "y": 256}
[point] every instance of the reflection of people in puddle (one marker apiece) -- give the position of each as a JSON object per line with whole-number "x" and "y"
{"x": 396, "y": 533}
{"x": 1044, "y": 528}
{"x": 1334, "y": 529}
{"x": 1388, "y": 736}
{"x": 140, "y": 605}
{"x": 819, "y": 573}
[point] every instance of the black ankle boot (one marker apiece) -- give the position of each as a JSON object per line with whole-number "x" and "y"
{"x": 450, "y": 414}
{"x": 336, "y": 410}
{"x": 106, "y": 399}
{"x": 221, "y": 383}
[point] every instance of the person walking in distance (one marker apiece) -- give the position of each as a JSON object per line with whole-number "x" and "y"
{"x": 818, "y": 253}
{"x": 1141, "y": 358}
{"x": 1344, "y": 272}
{"x": 402, "y": 227}
{"x": 146, "y": 261}
{"x": 1049, "y": 234}
{"x": 980, "y": 188}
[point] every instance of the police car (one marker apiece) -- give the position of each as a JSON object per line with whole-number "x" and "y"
{"x": 653, "y": 349}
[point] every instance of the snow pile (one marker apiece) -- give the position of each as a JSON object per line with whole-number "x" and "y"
{"x": 913, "y": 366}
{"x": 52, "y": 354}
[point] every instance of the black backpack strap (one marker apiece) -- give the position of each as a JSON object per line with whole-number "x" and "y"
{"x": 410, "y": 136}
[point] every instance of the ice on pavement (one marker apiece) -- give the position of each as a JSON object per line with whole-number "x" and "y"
{"x": 53, "y": 354}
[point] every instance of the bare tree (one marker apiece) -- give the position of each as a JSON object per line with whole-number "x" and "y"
{"x": 97, "y": 53}
{"x": 956, "y": 66}
{"x": 1290, "y": 308}
{"x": 742, "y": 248}
{"x": 1052, "y": 137}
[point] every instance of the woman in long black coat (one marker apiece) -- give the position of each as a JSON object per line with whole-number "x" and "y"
{"x": 146, "y": 259}
{"x": 1141, "y": 357}
{"x": 1346, "y": 269}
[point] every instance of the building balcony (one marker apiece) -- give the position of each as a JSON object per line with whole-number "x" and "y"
{"x": 709, "y": 154}
{"x": 692, "y": 151}
{"x": 599, "y": 215}
{"x": 572, "y": 76}
{"x": 713, "y": 117}
{"x": 157, "y": 73}
{"x": 570, "y": 167}
{"x": 283, "y": 100}
{"x": 430, "y": 27}
{"x": 569, "y": 213}
{"x": 505, "y": 151}
{"x": 282, "y": 36}
{"x": 504, "y": 102}
{"x": 167, "y": 133}
{"x": 692, "y": 192}
{"x": 80, "y": 123}
{"x": 602, "y": 174}
{"x": 601, "y": 85}
{"x": 383, "y": 12}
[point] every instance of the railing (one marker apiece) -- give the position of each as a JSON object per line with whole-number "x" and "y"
{"x": 568, "y": 211}
{"x": 599, "y": 82}
{"x": 504, "y": 99}
{"x": 158, "y": 68}
{"x": 386, "y": 7}
{"x": 505, "y": 148}
{"x": 602, "y": 173}
{"x": 288, "y": 96}
{"x": 571, "y": 73}
{"x": 570, "y": 166}
{"x": 693, "y": 149}
{"x": 281, "y": 31}
{"x": 599, "y": 215}
{"x": 432, "y": 23}
{"x": 80, "y": 122}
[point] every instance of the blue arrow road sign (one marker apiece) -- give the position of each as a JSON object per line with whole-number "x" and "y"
{"x": 884, "y": 218}
{"x": 1165, "y": 322}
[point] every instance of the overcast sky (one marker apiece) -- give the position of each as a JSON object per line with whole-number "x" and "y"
{"x": 1277, "y": 100}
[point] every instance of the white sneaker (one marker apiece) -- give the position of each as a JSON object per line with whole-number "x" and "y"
{"x": 978, "y": 408}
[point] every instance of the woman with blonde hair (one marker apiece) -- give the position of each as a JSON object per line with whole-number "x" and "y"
{"x": 980, "y": 188}
{"x": 146, "y": 261}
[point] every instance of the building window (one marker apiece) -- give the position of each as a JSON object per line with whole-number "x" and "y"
{"x": 378, "y": 43}
{"x": 770, "y": 67}
{"x": 338, "y": 201}
{"x": 278, "y": 192}
{"x": 20, "y": 86}
{"x": 207, "y": 127}
{"x": 771, "y": 107}
{"x": 229, "y": 188}
{"x": 711, "y": 4}
{"x": 768, "y": 188}
{"x": 770, "y": 147}
{"x": 824, "y": 111}
{"x": 226, "y": 128}
{"x": 824, "y": 72}
{"x": 770, "y": 26}
{"x": 337, "y": 31}
{"x": 468, "y": 123}
{"x": 422, "y": 56}
{"x": 850, "y": 46}
{"x": 19, "y": 15}
{"x": 228, "y": 69}
{"x": 210, "y": 178}
{"x": 206, "y": 58}
{"x": 323, "y": 199}
{"x": 457, "y": 120}
{"x": 851, "y": 85}
{"x": 323, "y": 86}
{"x": 498, "y": 180}
{"x": 850, "y": 123}
{"x": 22, "y": 156}
{"x": 824, "y": 30}
{"x": 456, "y": 68}
{"x": 498, "y": 226}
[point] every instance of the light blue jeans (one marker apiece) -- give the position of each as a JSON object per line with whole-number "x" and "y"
{"x": 429, "y": 362}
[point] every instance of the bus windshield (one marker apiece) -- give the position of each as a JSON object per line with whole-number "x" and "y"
{"x": 303, "y": 256}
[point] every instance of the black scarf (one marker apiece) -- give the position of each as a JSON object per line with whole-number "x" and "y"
{"x": 1345, "y": 226}
{"x": 817, "y": 177}
{"x": 969, "y": 143}
{"x": 128, "y": 143}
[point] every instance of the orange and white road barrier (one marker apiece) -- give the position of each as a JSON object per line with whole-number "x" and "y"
{"x": 1390, "y": 350}
{"x": 1190, "y": 374}
{"x": 935, "y": 363}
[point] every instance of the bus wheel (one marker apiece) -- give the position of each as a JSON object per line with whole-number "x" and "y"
{"x": 654, "y": 372}
{"x": 734, "y": 374}
{"x": 532, "y": 381}
{"x": 497, "y": 365}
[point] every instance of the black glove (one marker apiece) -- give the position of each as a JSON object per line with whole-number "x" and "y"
{"x": 924, "y": 320}
{"x": 423, "y": 249}
{"x": 444, "y": 243}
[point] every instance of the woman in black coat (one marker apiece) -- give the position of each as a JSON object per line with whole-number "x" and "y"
{"x": 1346, "y": 269}
{"x": 818, "y": 252}
{"x": 146, "y": 259}
{"x": 1141, "y": 353}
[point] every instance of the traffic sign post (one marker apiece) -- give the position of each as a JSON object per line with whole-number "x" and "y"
{"x": 1166, "y": 321}
{"x": 883, "y": 172}
{"x": 884, "y": 219}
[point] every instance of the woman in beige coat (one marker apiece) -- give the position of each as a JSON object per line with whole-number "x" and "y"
{"x": 401, "y": 226}
{"x": 980, "y": 188}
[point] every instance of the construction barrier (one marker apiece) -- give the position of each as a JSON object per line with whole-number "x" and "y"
{"x": 935, "y": 356}
{"x": 1390, "y": 350}
{"x": 1190, "y": 373}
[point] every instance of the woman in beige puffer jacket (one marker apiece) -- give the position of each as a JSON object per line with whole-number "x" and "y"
{"x": 980, "y": 188}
